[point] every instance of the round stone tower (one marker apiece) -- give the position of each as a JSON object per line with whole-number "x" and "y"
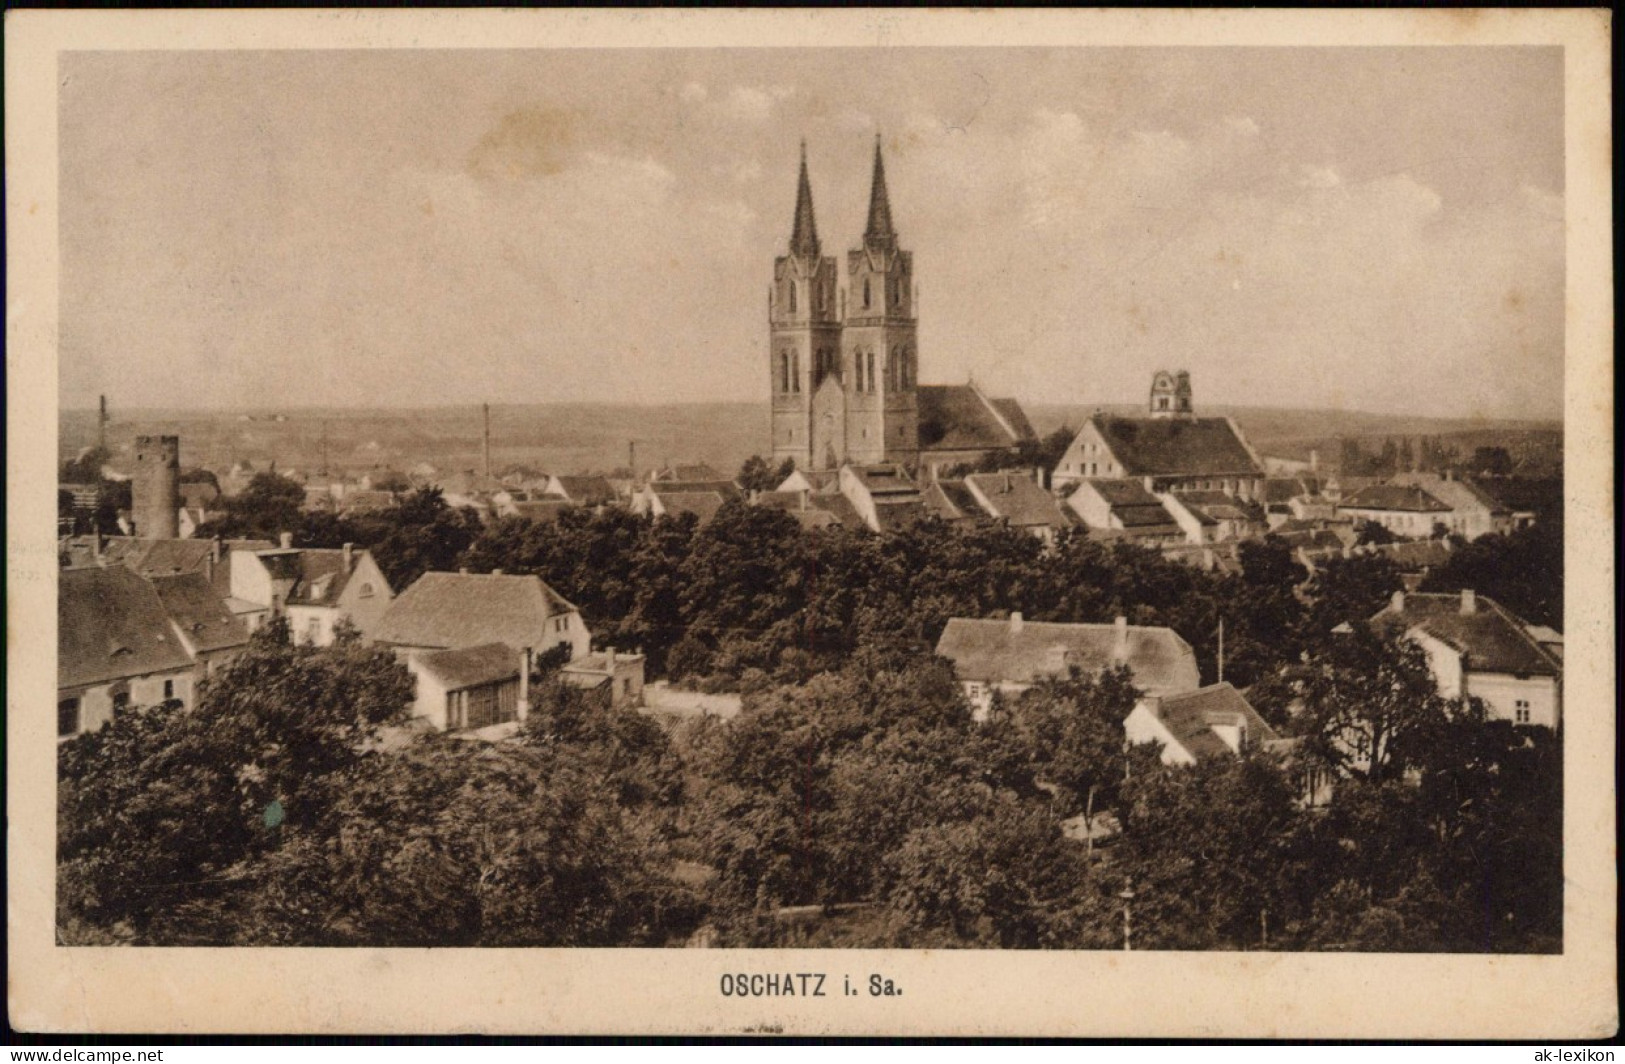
{"x": 155, "y": 492}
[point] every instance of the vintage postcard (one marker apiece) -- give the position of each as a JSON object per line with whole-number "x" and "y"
{"x": 962, "y": 523}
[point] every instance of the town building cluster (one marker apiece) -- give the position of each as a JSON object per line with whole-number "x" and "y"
{"x": 147, "y": 616}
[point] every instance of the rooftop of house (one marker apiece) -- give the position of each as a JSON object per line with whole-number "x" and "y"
{"x": 884, "y": 479}
{"x": 1492, "y": 638}
{"x": 597, "y": 662}
{"x": 544, "y": 510}
{"x": 1460, "y": 495}
{"x": 589, "y": 490}
{"x": 726, "y": 488}
{"x": 1402, "y": 497}
{"x": 702, "y": 504}
{"x": 1016, "y": 498}
{"x": 950, "y": 500}
{"x": 1218, "y": 506}
{"x": 804, "y": 479}
{"x": 366, "y": 501}
{"x": 111, "y": 625}
{"x": 453, "y": 610}
{"x": 199, "y": 611}
{"x": 1201, "y": 446}
{"x": 1017, "y": 651}
{"x": 475, "y": 666}
{"x": 1136, "y": 509}
{"x": 1311, "y": 539}
{"x": 958, "y": 417}
{"x": 689, "y": 471}
{"x": 1285, "y": 489}
{"x": 1191, "y": 717}
{"x": 893, "y": 516}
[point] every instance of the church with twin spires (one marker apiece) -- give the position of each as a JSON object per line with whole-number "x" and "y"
{"x": 844, "y": 358}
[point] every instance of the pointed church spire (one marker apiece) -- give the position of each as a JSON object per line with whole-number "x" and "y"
{"x": 879, "y": 233}
{"x": 804, "y": 237}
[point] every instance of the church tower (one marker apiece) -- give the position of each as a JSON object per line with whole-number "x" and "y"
{"x": 804, "y": 332}
{"x": 878, "y": 356}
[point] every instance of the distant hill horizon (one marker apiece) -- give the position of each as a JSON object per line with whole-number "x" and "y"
{"x": 588, "y": 436}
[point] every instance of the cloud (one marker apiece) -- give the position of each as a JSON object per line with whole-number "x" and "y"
{"x": 750, "y": 104}
{"x": 527, "y": 143}
{"x": 1318, "y": 177}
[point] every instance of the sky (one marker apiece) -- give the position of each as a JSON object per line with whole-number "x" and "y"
{"x": 1371, "y": 229}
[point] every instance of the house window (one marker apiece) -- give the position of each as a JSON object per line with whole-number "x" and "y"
{"x": 366, "y": 591}
{"x": 67, "y": 717}
{"x": 169, "y": 690}
{"x": 121, "y": 700}
{"x": 1520, "y": 712}
{"x": 313, "y": 631}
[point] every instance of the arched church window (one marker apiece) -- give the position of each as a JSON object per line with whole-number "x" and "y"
{"x": 792, "y": 297}
{"x": 795, "y": 372}
{"x": 866, "y": 293}
{"x": 869, "y": 371}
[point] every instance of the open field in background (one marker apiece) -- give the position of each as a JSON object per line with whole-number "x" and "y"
{"x": 582, "y": 437}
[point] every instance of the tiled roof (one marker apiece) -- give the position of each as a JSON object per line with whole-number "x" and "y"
{"x": 546, "y": 511}
{"x": 1016, "y": 416}
{"x": 950, "y": 500}
{"x": 695, "y": 471}
{"x": 994, "y": 650}
{"x": 598, "y": 662}
{"x": 1191, "y": 716}
{"x": 1406, "y": 497}
{"x": 815, "y": 519}
{"x": 1285, "y": 489}
{"x": 111, "y": 624}
{"x": 885, "y": 479}
{"x": 1459, "y": 495}
{"x": 895, "y": 516}
{"x": 1312, "y": 539}
{"x": 320, "y": 577}
{"x": 199, "y": 612}
{"x": 1017, "y": 499}
{"x": 1176, "y": 446}
{"x": 957, "y": 417}
{"x": 702, "y": 504}
{"x": 726, "y": 488}
{"x": 1218, "y": 505}
{"x": 842, "y": 509}
{"x": 587, "y": 490}
{"x": 358, "y": 502}
{"x": 472, "y": 666}
{"x": 1493, "y": 639}
{"x": 462, "y": 609}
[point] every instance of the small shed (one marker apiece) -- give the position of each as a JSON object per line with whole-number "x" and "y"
{"x": 471, "y": 688}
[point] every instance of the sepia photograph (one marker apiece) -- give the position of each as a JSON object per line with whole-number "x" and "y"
{"x": 1048, "y": 498}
